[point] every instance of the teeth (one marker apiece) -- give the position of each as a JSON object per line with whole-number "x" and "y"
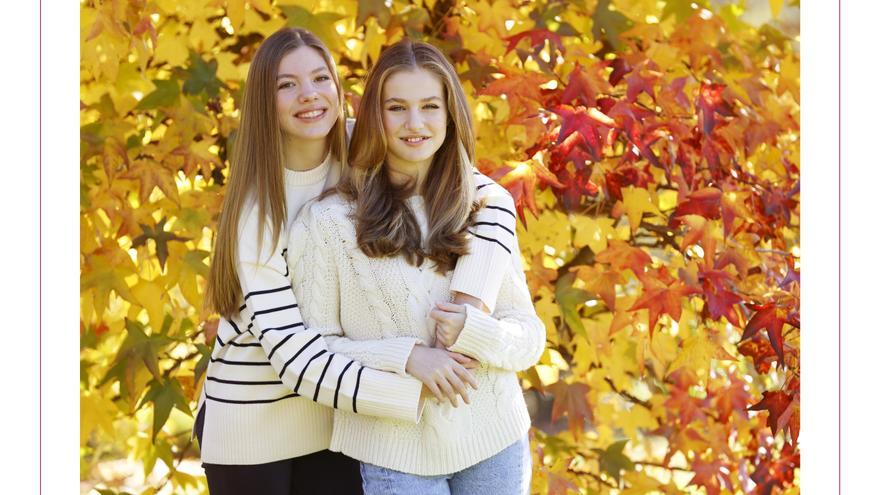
{"x": 414, "y": 140}
{"x": 310, "y": 115}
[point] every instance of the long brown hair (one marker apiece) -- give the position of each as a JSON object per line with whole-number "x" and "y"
{"x": 385, "y": 224}
{"x": 257, "y": 162}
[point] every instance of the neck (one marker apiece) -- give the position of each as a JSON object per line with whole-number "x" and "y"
{"x": 408, "y": 173}
{"x": 301, "y": 154}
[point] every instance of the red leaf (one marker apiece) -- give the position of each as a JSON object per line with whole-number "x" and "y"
{"x": 772, "y": 319}
{"x": 571, "y": 400}
{"x": 661, "y": 299}
{"x": 761, "y": 352}
{"x": 537, "y": 38}
{"x": 705, "y": 202}
{"x": 778, "y": 404}
{"x": 621, "y": 256}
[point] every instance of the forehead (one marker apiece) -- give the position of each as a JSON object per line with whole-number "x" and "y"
{"x": 301, "y": 61}
{"x": 413, "y": 85}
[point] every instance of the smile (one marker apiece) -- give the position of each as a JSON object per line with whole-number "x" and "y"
{"x": 311, "y": 114}
{"x": 415, "y": 140}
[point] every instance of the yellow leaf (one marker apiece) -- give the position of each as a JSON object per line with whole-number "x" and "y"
{"x": 150, "y": 296}
{"x": 639, "y": 483}
{"x": 235, "y": 12}
{"x": 593, "y": 232}
{"x": 171, "y": 46}
{"x": 636, "y": 202}
{"x": 633, "y": 419}
{"x": 95, "y": 412}
{"x": 697, "y": 354}
{"x": 776, "y": 7}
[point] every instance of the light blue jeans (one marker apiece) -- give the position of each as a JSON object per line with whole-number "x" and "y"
{"x": 508, "y": 472}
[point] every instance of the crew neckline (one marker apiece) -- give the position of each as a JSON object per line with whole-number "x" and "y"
{"x": 308, "y": 177}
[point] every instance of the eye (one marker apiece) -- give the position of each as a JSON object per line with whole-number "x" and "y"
{"x": 395, "y": 108}
{"x": 432, "y": 106}
{"x": 286, "y": 84}
{"x": 322, "y": 78}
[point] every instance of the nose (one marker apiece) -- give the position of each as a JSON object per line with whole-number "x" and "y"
{"x": 308, "y": 94}
{"x": 413, "y": 120}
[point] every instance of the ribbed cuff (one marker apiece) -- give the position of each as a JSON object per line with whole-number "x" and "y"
{"x": 480, "y": 273}
{"x": 480, "y": 332}
{"x": 394, "y": 353}
{"x": 387, "y": 395}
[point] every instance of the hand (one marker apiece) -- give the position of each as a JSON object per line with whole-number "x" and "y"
{"x": 450, "y": 319}
{"x": 444, "y": 373}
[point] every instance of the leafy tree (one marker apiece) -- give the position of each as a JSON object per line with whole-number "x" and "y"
{"x": 652, "y": 149}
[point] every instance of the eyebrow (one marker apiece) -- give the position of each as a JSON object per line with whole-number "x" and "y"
{"x": 319, "y": 69}
{"x": 401, "y": 100}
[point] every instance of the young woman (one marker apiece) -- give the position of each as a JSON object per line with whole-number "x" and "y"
{"x": 374, "y": 262}
{"x": 262, "y": 423}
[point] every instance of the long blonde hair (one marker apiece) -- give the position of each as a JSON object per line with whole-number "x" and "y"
{"x": 257, "y": 166}
{"x": 385, "y": 224}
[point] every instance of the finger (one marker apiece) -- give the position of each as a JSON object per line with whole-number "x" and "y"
{"x": 435, "y": 390}
{"x": 462, "y": 359}
{"x": 468, "y": 377}
{"x": 440, "y": 316}
{"x": 448, "y": 390}
{"x": 459, "y": 386}
{"x": 451, "y": 307}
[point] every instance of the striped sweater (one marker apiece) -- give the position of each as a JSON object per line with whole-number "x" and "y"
{"x": 271, "y": 382}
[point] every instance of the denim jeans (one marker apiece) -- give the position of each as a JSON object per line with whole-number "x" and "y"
{"x": 508, "y": 472}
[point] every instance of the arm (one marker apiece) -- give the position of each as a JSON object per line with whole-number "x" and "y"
{"x": 513, "y": 336}
{"x": 315, "y": 282}
{"x": 300, "y": 355}
{"x": 314, "y": 251}
{"x": 479, "y": 274}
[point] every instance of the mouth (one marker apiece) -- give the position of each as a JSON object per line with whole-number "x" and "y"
{"x": 311, "y": 115}
{"x": 414, "y": 140}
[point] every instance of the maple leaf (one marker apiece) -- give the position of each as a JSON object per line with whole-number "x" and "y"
{"x": 697, "y": 354}
{"x": 164, "y": 396}
{"x": 776, "y": 473}
{"x": 759, "y": 349}
{"x": 537, "y": 37}
{"x": 659, "y": 298}
{"x": 620, "y": 255}
{"x": 152, "y": 175}
{"x": 586, "y": 122}
{"x": 734, "y": 397}
{"x": 779, "y": 404}
{"x": 570, "y": 400}
{"x": 770, "y": 318}
{"x": 600, "y": 282}
{"x": 641, "y": 81}
{"x": 373, "y": 8}
{"x": 710, "y": 476}
{"x": 710, "y": 101}
{"x": 613, "y": 461}
{"x": 705, "y": 202}
{"x": 584, "y": 86}
{"x": 160, "y": 236}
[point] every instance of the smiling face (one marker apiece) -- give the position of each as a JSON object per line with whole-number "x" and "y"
{"x": 307, "y": 98}
{"x": 414, "y": 118}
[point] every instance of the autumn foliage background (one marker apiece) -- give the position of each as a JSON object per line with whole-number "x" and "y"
{"x": 652, "y": 148}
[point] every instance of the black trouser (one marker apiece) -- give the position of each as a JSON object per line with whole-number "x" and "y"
{"x": 321, "y": 473}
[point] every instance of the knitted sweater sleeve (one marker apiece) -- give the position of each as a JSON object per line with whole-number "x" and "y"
{"x": 480, "y": 272}
{"x": 314, "y": 251}
{"x": 300, "y": 355}
{"x": 513, "y": 337}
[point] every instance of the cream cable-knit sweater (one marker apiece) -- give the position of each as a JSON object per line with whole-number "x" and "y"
{"x": 383, "y": 300}
{"x": 270, "y": 377}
